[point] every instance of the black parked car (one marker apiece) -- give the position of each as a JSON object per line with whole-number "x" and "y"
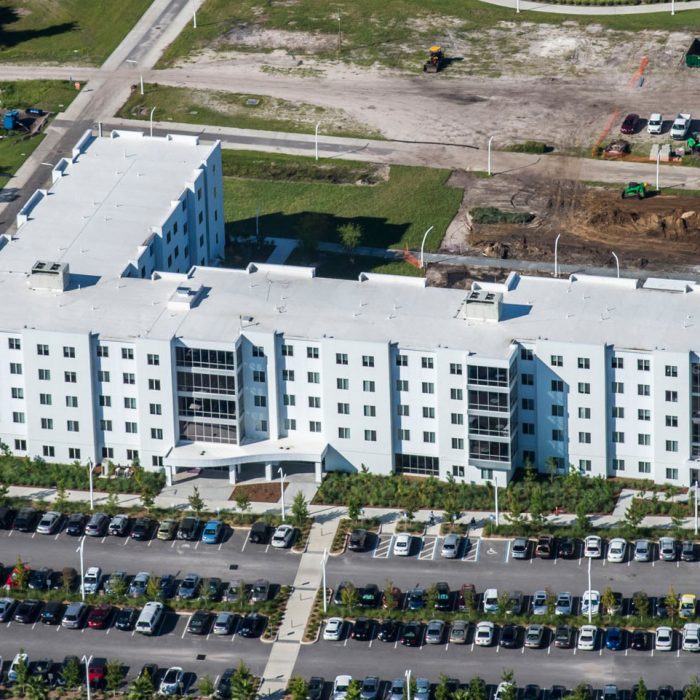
{"x": 126, "y": 619}
{"x": 213, "y": 588}
{"x": 252, "y": 625}
{"x": 531, "y": 692}
{"x": 39, "y": 579}
{"x": 75, "y": 526}
{"x": 639, "y": 640}
{"x": 688, "y": 550}
{"x": 41, "y": 668}
{"x": 188, "y": 530}
{"x": 7, "y": 517}
{"x": 411, "y": 634}
{"x": 26, "y": 520}
{"x": 142, "y": 530}
{"x": 357, "y": 540}
{"x": 509, "y": 636}
{"x": 52, "y": 614}
{"x": 223, "y": 687}
{"x": 315, "y": 688}
{"x": 259, "y": 533}
{"x": 199, "y": 622}
{"x": 362, "y": 629}
{"x": 567, "y": 548}
{"x": 27, "y": 611}
{"x": 387, "y": 631}
{"x": 370, "y": 596}
{"x": 166, "y": 587}
{"x": 660, "y": 607}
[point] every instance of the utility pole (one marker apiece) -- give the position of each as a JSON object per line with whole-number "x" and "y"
{"x": 556, "y": 250}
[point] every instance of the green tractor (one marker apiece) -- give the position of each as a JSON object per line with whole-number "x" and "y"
{"x": 635, "y": 189}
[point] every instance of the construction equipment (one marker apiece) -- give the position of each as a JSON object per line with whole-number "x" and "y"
{"x": 635, "y": 189}
{"x": 693, "y": 143}
{"x": 619, "y": 147}
{"x": 436, "y": 60}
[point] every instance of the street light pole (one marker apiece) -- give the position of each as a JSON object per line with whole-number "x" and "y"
{"x": 495, "y": 493}
{"x": 82, "y": 568}
{"x": 282, "y": 491}
{"x": 318, "y": 124}
{"x": 408, "y": 684}
{"x": 617, "y": 263}
{"x": 87, "y": 661}
{"x": 556, "y": 250}
{"x": 673, "y": 7}
{"x": 92, "y": 501}
{"x": 658, "y": 158}
{"x": 151, "y": 120}
{"x": 422, "y": 245}
{"x": 696, "y": 506}
{"x": 194, "y": 14}
{"x": 489, "y": 161}
{"x": 590, "y": 609}
{"x": 323, "y": 575}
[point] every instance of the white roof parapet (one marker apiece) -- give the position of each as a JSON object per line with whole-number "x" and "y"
{"x": 393, "y": 280}
{"x": 283, "y": 270}
{"x": 618, "y": 282}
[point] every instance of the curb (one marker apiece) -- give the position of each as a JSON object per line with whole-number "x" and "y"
{"x": 308, "y": 642}
{"x": 341, "y": 551}
{"x": 272, "y": 640}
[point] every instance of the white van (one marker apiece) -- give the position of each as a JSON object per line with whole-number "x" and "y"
{"x": 150, "y": 618}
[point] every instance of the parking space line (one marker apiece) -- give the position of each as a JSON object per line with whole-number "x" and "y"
{"x": 197, "y": 545}
{"x": 172, "y": 545}
{"x": 11, "y": 531}
{"x": 126, "y": 541}
{"x": 149, "y": 543}
{"x": 102, "y": 541}
{"x": 57, "y": 536}
{"x": 549, "y": 650}
{"x": 185, "y": 630}
{"x": 245, "y": 541}
{"x": 267, "y": 548}
{"x": 33, "y": 535}
{"x": 221, "y": 544}
{"x": 58, "y": 628}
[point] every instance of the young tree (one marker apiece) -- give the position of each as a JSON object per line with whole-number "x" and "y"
{"x": 582, "y": 523}
{"x": 242, "y": 501}
{"x": 60, "y": 500}
{"x": 511, "y": 690}
{"x": 37, "y": 688}
{"x": 205, "y": 686}
{"x": 431, "y": 597}
{"x": 298, "y": 688}
{"x": 641, "y": 603}
{"x": 537, "y": 507}
{"x": 642, "y": 692}
{"x": 118, "y": 588}
{"x": 71, "y": 674}
{"x": 111, "y": 505}
{"x": 300, "y": 509}
{"x": 196, "y": 502}
{"x": 20, "y": 574}
{"x": 355, "y": 507}
{"x": 671, "y": 601}
{"x": 148, "y": 497}
{"x": 349, "y": 596}
{"x": 608, "y": 600}
{"x": 503, "y": 599}
{"x": 242, "y": 683}
{"x": 413, "y": 688}
{"x": 141, "y": 688}
{"x": 22, "y": 673}
{"x": 4, "y": 491}
{"x": 354, "y": 690}
{"x": 350, "y": 236}
{"x": 451, "y": 507}
{"x": 635, "y": 513}
{"x": 692, "y": 691}
{"x": 442, "y": 689}
{"x": 389, "y": 598}
{"x": 113, "y": 676}
{"x": 411, "y": 504}
{"x": 580, "y": 692}
{"x": 153, "y": 587}
{"x": 677, "y": 518}
{"x": 514, "y": 514}
{"x": 477, "y": 689}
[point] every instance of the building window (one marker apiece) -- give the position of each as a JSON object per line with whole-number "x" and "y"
{"x": 618, "y": 387}
{"x": 584, "y": 412}
{"x": 557, "y": 435}
{"x": 370, "y": 435}
{"x": 672, "y": 396}
{"x": 426, "y": 362}
{"x": 644, "y": 439}
{"x": 73, "y": 453}
{"x": 130, "y": 402}
{"x": 618, "y": 465}
{"x": 15, "y": 368}
{"x": 556, "y": 361}
{"x": 672, "y": 474}
{"x": 404, "y": 434}
{"x": 671, "y": 421}
{"x": 107, "y": 453}
{"x": 105, "y": 401}
{"x": 102, "y": 351}
{"x": 458, "y": 471}
{"x": 341, "y": 358}
{"x": 73, "y": 426}
{"x": 315, "y": 426}
{"x": 44, "y": 374}
{"x": 69, "y": 351}
{"x": 344, "y": 433}
{"x": 155, "y": 409}
{"x": 456, "y": 394}
{"x": 428, "y": 412}
{"x": 153, "y": 359}
{"x": 47, "y": 423}
{"x": 618, "y": 437}
{"x": 70, "y": 377}
{"x": 618, "y": 363}
{"x": 457, "y": 418}
{"x": 584, "y": 465}
{"x": 455, "y": 368}
{"x": 402, "y": 360}
{"x": 106, "y": 425}
{"x": 313, "y": 377}
{"x": 528, "y": 456}
{"x": 526, "y": 354}
{"x": 312, "y": 353}
{"x": 287, "y": 350}
{"x": 102, "y": 375}
{"x": 42, "y": 350}
{"x": 584, "y": 388}
{"x": 368, "y": 385}
{"x": 402, "y": 385}
{"x": 20, "y": 444}
{"x": 289, "y": 399}
{"x": 314, "y": 402}
{"x": 368, "y": 361}
{"x": 527, "y": 379}
{"x": 643, "y": 414}
{"x": 644, "y": 467}
{"x": 14, "y": 344}
{"x": 45, "y": 399}
{"x": 457, "y": 443}
{"x": 618, "y": 412}
{"x": 127, "y": 353}
{"x": 48, "y": 451}
{"x": 290, "y": 424}
{"x": 17, "y": 392}
{"x": 584, "y": 363}
{"x": 528, "y": 428}
{"x": 132, "y": 455}
{"x": 259, "y": 401}
{"x": 671, "y": 445}
{"x": 154, "y": 384}
{"x": 428, "y": 436}
{"x": 131, "y": 427}
{"x": 643, "y": 390}
{"x": 157, "y": 433}
{"x": 72, "y": 401}
{"x": 528, "y": 404}
{"x": 487, "y": 474}
{"x": 427, "y": 388}
{"x": 402, "y": 409}
{"x": 369, "y": 410}
{"x": 342, "y": 383}
{"x": 643, "y": 365}
{"x": 259, "y": 376}
{"x": 557, "y": 385}
{"x": 344, "y": 408}
{"x": 156, "y": 461}
{"x": 671, "y": 371}
{"x": 288, "y": 375}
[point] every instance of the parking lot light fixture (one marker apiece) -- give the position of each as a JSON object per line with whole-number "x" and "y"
{"x": 91, "y": 467}
{"x": 590, "y": 609}
{"x": 282, "y": 475}
{"x": 422, "y": 246}
{"x": 82, "y": 567}
{"x": 489, "y": 160}
{"x": 617, "y": 263}
{"x": 556, "y": 252}
{"x": 495, "y": 495}
{"x": 151, "y": 120}
{"x": 86, "y": 661}
{"x": 408, "y": 684}
{"x": 323, "y": 577}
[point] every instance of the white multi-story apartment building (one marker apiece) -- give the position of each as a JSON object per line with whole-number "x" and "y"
{"x": 119, "y": 339}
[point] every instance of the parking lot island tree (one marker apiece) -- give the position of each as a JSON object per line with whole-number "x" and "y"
{"x": 692, "y": 690}
{"x": 442, "y": 689}
{"x": 355, "y": 507}
{"x": 608, "y": 601}
{"x": 243, "y": 502}
{"x": 298, "y": 688}
{"x": 141, "y": 688}
{"x": 511, "y": 690}
{"x": 671, "y": 603}
{"x": 642, "y": 692}
{"x": 477, "y": 689}
{"x": 114, "y": 676}
{"x": 72, "y": 674}
{"x": 205, "y": 686}
{"x": 37, "y": 688}
{"x": 300, "y": 509}
{"x": 243, "y": 685}
{"x": 196, "y": 502}
{"x": 22, "y": 673}
{"x": 389, "y": 597}
{"x": 354, "y": 691}
{"x": 349, "y": 596}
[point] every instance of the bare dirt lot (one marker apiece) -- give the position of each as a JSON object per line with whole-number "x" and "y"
{"x": 657, "y": 233}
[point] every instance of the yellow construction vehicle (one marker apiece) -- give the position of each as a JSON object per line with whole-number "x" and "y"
{"x": 436, "y": 60}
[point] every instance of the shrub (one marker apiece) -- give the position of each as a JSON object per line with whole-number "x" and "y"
{"x": 537, "y": 147}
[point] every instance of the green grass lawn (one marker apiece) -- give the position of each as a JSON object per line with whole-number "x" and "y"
{"x": 393, "y": 32}
{"x": 230, "y": 109}
{"x": 65, "y": 31}
{"x": 393, "y": 213}
{"x": 344, "y": 267}
{"x": 49, "y": 95}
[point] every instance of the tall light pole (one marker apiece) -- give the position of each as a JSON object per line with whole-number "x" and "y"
{"x": 91, "y": 468}
{"x": 408, "y": 684}
{"x": 590, "y": 609}
{"x": 696, "y": 506}
{"x": 339, "y": 34}
{"x": 318, "y": 124}
{"x": 133, "y": 63}
{"x": 194, "y": 14}
{"x": 282, "y": 475}
{"x": 673, "y": 7}
{"x": 495, "y": 494}
{"x": 151, "y": 120}
{"x": 658, "y": 158}
{"x": 323, "y": 576}
{"x": 617, "y": 263}
{"x": 86, "y": 661}
{"x": 422, "y": 246}
{"x": 517, "y": 6}
{"x": 489, "y": 160}
{"x": 82, "y": 568}
{"x": 556, "y": 251}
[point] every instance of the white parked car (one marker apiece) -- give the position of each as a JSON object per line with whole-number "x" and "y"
{"x": 333, "y": 630}
{"x": 564, "y": 604}
{"x": 655, "y": 123}
{"x": 663, "y": 639}
{"x": 12, "y": 673}
{"x": 402, "y": 544}
{"x": 491, "y": 600}
{"x": 92, "y": 579}
{"x": 340, "y": 687}
{"x": 450, "y": 546}
{"x": 617, "y": 549}
{"x": 587, "y": 637}
{"x": 590, "y": 602}
{"x": 483, "y": 636}
{"x": 283, "y": 536}
{"x": 691, "y": 636}
{"x": 593, "y": 547}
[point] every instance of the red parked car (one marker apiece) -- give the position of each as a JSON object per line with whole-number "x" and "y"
{"x": 99, "y": 617}
{"x": 630, "y": 124}
{"x": 97, "y": 669}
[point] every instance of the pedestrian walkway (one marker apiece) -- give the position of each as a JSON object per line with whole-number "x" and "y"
{"x": 284, "y": 247}
{"x": 284, "y": 652}
{"x": 526, "y": 5}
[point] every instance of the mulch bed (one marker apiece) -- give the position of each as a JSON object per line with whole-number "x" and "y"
{"x": 267, "y": 492}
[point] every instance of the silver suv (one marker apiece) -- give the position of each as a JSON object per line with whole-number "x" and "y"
{"x": 74, "y": 615}
{"x": 450, "y": 546}
{"x": 521, "y": 547}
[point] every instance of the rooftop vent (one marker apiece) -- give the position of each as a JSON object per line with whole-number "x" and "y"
{"x": 185, "y": 297}
{"x": 49, "y": 275}
{"x": 482, "y": 305}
